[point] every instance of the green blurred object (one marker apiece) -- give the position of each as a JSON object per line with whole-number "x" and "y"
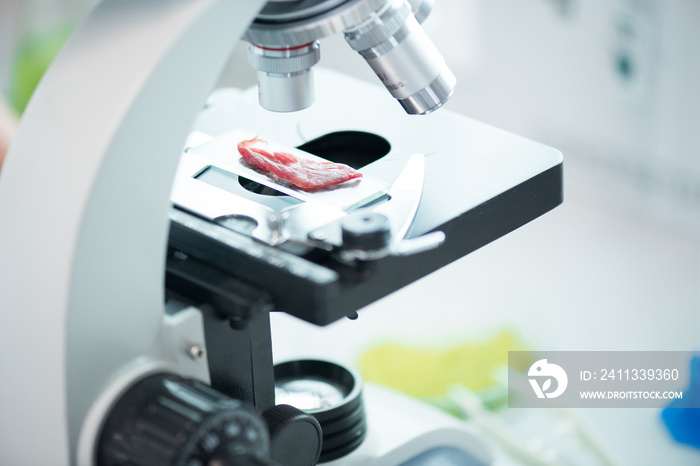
{"x": 33, "y": 56}
{"x": 430, "y": 373}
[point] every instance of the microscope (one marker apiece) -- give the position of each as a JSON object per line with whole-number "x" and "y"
{"x": 135, "y": 310}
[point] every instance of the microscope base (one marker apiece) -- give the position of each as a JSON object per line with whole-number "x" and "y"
{"x": 403, "y": 431}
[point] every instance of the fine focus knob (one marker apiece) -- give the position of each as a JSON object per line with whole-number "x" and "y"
{"x": 167, "y": 420}
{"x": 295, "y": 436}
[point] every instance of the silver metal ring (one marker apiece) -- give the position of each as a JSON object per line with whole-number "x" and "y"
{"x": 284, "y": 61}
{"x": 382, "y": 48}
{"x": 389, "y": 23}
{"x": 432, "y": 96}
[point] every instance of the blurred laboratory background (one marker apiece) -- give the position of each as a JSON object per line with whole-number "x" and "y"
{"x": 614, "y": 85}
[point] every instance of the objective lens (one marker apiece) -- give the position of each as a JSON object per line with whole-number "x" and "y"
{"x": 403, "y": 57}
{"x": 285, "y": 75}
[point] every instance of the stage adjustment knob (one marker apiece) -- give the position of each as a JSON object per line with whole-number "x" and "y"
{"x": 366, "y": 236}
{"x": 167, "y": 420}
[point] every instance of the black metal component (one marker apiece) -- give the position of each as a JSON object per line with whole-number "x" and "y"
{"x": 324, "y": 290}
{"x": 293, "y": 282}
{"x": 466, "y": 233}
{"x": 236, "y": 328}
{"x": 232, "y": 298}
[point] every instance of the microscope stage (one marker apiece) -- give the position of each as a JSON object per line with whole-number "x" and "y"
{"x": 480, "y": 184}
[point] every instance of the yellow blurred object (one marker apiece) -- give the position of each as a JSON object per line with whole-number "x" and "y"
{"x": 429, "y": 373}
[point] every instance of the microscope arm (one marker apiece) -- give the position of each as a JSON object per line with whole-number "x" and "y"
{"x": 84, "y": 197}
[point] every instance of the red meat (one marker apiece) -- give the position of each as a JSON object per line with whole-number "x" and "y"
{"x": 299, "y": 172}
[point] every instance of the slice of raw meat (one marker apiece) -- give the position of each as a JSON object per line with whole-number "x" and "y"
{"x": 299, "y": 172}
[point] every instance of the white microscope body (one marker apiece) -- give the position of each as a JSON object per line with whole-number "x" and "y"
{"x": 84, "y": 233}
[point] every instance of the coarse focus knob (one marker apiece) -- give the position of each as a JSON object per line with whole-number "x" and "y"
{"x": 295, "y": 436}
{"x": 165, "y": 420}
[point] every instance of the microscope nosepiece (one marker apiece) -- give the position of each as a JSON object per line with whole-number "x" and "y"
{"x": 285, "y": 75}
{"x": 404, "y": 58}
{"x": 386, "y": 33}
